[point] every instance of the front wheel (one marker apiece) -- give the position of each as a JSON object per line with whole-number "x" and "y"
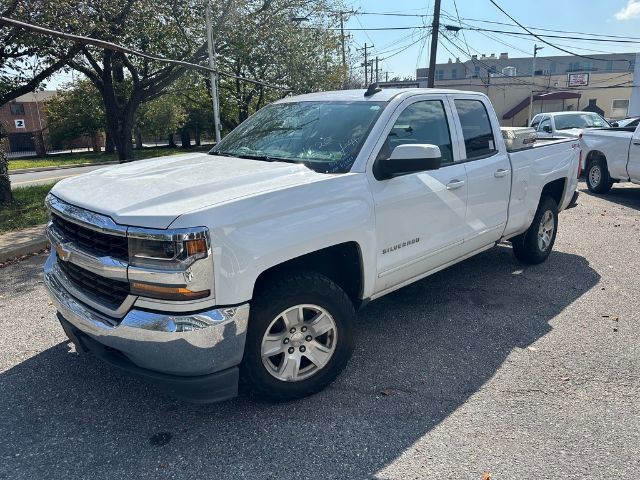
{"x": 535, "y": 245}
{"x": 299, "y": 337}
{"x": 598, "y": 179}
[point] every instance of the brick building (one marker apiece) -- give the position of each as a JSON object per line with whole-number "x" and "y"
{"x": 25, "y": 122}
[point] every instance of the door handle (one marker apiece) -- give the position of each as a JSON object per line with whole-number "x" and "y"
{"x": 502, "y": 172}
{"x": 636, "y": 142}
{"x": 454, "y": 184}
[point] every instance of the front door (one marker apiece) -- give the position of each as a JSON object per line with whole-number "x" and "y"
{"x": 420, "y": 217}
{"x": 488, "y": 174}
{"x": 633, "y": 167}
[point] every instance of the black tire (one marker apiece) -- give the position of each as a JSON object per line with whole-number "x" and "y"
{"x": 298, "y": 288}
{"x": 526, "y": 246}
{"x": 597, "y": 176}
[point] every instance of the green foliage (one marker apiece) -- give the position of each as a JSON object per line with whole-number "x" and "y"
{"x": 74, "y": 112}
{"x": 161, "y": 117}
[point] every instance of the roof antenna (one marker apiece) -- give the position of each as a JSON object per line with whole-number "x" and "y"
{"x": 372, "y": 90}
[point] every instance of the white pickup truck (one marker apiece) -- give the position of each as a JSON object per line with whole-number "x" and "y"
{"x": 198, "y": 270}
{"x": 566, "y": 124}
{"x": 610, "y": 155}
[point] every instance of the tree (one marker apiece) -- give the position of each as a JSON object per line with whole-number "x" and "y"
{"x": 161, "y": 118}
{"x": 25, "y": 62}
{"x": 75, "y": 112}
{"x": 267, "y": 45}
{"x": 174, "y": 30}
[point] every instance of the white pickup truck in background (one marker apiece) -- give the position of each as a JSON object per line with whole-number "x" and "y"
{"x": 610, "y": 155}
{"x": 566, "y": 124}
{"x": 196, "y": 270}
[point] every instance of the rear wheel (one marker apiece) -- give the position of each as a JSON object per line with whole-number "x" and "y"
{"x": 598, "y": 179}
{"x": 299, "y": 337}
{"x": 535, "y": 245}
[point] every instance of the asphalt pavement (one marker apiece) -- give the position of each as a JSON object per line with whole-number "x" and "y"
{"x": 49, "y": 176}
{"x": 488, "y": 366}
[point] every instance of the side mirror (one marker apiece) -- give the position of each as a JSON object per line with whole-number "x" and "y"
{"x": 409, "y": 159}
{"x": 546, "y": 128}
{"x": 615, "y": 125}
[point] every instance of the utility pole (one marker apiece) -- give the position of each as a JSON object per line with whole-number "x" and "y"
{"x": 344, "y": 56}
{"x": 366, "y": 64}
{"x": 213, "y": 74}
{"x": 533, "y": 76}
{"x": 371, "y": 76}
{"x": 435, "y": 26}
{"x": 376, "y": 69}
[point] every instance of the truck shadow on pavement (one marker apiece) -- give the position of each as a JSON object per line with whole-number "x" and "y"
{"x": 421, "y": 353}
{"x": 626, "y": 196}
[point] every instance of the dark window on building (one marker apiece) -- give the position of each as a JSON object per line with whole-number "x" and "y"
{"x": 476, "y": 128}
{"x": 454, "y": 74}
{"x": 421, "y": 122}
{"x": 609, "y": 65}
{"x": 17, "y": 109}
{"x": 440, "y": 74}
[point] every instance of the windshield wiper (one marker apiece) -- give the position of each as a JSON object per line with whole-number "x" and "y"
{"x": 221, "y": 154}
{"x": 267, "y": 158}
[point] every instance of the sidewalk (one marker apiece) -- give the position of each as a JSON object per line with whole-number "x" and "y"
{"x": 22, "y": 242}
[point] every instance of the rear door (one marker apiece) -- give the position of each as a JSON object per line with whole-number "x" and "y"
{"x": 420, "y": 217}
{"x": 633, "y": 167}
{"x": 488, "y": 172}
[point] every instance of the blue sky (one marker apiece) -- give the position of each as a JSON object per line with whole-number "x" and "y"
{"x": 602, "y": 17}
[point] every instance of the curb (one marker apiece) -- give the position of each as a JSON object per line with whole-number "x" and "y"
{"x": 32, "y": 246}
{"x": 59, "y": 167}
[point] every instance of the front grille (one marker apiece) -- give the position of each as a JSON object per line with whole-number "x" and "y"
{"x": 91, "y": 241}
{"x": 110, "y": 293}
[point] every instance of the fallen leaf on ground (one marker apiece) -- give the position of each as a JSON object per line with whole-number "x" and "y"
{"x": 387, "y": 392}
{"x": 533, "y": 349}
{"x": 565, "y": 379}
{"x": 486, "y": 476}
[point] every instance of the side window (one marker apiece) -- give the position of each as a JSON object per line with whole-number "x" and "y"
{"x": 536, "y": 122}
{"x": 421, "y": 122}
{"x": 545, "y": 123}
{"x": 476, "y": 128}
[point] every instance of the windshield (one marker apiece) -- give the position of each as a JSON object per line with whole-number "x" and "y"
{"x": 324, "y": 136}
{"x": 580, "y": 120}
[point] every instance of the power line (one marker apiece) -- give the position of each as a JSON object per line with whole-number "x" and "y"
{"x": 118, "y": 48}
{"x": 479, "y": 29}
{"x": 538, "y": 37}
{"x": 551, "y": 30}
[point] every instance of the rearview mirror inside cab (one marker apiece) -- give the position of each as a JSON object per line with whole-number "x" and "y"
{"x": 406, "y": 159}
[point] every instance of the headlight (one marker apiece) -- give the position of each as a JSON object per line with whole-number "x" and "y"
{"x": 161, "y": 257}
{"x": 166, "y": 254}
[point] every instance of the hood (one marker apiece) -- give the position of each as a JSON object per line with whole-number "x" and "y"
{"x": 153, "y": 193}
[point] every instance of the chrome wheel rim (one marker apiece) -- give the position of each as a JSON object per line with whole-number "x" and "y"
{"x": 595, "y": 175}
{"x": 545, "y": 231}
{"x": 299, "y": 342}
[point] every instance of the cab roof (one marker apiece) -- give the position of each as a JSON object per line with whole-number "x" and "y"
{"x": 385, "y": 95}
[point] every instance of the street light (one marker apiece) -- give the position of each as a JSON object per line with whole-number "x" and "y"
{"x": 213, "y": 75}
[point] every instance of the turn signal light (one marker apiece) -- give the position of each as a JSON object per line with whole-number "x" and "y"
{"x": 195, "y": 247}
{"x": 166, "y": 293}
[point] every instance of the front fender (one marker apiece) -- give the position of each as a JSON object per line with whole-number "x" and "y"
{"x": 256, "y": 233}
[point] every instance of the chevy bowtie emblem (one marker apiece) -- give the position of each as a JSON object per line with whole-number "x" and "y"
{"x": 63, "y": 254}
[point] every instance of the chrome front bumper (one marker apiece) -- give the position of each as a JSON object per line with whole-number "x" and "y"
{"x": 169, "y": 343}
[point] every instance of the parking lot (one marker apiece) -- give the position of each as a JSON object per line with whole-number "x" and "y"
{"x": 488, "y": 366}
